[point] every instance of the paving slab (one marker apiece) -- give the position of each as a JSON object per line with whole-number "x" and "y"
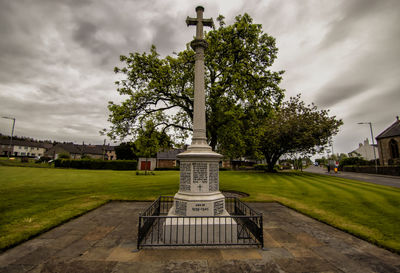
{"x": 103, "y": 240}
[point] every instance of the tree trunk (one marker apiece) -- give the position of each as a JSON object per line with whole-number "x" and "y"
{"x": 271, "y": 161}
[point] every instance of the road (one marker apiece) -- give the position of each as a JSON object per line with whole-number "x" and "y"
{"x": 386, "y": 180}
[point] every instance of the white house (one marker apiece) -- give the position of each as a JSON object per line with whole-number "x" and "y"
{"x": 365, "y": 150}
{"x": 23, "y": 148}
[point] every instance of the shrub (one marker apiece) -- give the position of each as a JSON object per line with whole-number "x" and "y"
{"x": 167, "y": 169}
{"x": 96, "y": 164}
{"x": 260, "y": 167}
{"x": 64, "y": 156}
{"x": 357, "y": 161}
{"x": 43, "y": 159}
{"x": 24, "y": 159}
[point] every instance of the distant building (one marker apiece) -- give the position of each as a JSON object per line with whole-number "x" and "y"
{"x": 76, "y": 151}
{"x": 365, "y": 150}
{"x": 22, "y": 148}
{"x": 168, "y": 159}
{"x": 147, "y": 163}
{"x": 164, "y": 159}
{"x": 388, "y": 144}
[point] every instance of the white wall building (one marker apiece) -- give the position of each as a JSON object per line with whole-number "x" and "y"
{"x": 22, "y": 148}
{"x": 365, "y": 150}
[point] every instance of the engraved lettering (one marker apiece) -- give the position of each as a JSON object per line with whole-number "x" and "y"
{"x": 213, "y": 177}
{"x": 185, "y": 176}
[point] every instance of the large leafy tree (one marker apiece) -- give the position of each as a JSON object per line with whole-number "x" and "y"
{"x": 295, "y": 128}
{"x": 150, "y": 141}
{"x": 126, "y": 151}
{"x": 238, "y": 84}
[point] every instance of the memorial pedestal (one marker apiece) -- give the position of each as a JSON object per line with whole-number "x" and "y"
{"x": 200, "y": 230}
{"x": 199, "y": 193}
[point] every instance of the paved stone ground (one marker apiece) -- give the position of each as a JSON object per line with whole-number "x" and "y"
{"x": 103, "y": 240}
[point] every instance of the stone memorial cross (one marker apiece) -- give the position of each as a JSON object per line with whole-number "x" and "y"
{"x": 199, "y": 193}
{"x": 199, "y": 139}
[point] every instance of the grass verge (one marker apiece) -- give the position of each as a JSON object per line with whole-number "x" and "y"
{"x": 34, "y": 200}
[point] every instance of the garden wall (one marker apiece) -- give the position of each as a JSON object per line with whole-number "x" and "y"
{"x": 387, "y": 170}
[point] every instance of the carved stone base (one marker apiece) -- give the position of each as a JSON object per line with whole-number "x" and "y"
{"x": 187, "y": 230}
{"x": 212, "y": 204}
{"x": 198, "y": 193}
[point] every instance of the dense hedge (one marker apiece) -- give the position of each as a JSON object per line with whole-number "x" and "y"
{"x": 260, "y": 167}
{"x": 96, "y": 164}
{"x": 358, "y": 161}
{"x": 387, "y": 170}
{"x": 167, "y": 168}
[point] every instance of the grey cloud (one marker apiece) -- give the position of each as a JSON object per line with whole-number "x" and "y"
{"x": 164, "y": 35}
{"x": 337, "y": 92}
{"x": 63, "y": 53}
{"x": 386, "y": 101}
{"x": 85, "y": 35}
{"x": 353, "y": 12}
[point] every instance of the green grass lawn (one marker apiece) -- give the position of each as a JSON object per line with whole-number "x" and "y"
{"x": 33, "y": 200}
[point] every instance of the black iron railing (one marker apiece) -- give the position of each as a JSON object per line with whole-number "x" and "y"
{"x": 243, "y": 226}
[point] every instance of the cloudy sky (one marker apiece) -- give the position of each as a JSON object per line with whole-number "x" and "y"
{"x": 57, "y": 58}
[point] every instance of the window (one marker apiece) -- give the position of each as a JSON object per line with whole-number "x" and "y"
{"x": 32, "y": 154}
{"x": 23, "y": 153}
{"x": 26, "y": 148}
{"x": 394, "y": 148}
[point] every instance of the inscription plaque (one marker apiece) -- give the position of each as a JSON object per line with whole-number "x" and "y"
{"x": 200, "y": 172}
{"x": 185, "y": 176}
{"x": 213, "y": 176}
{"x": 180, "y": 208}
{"x": 219, "y": 207}
{"x": 200, "y": 209}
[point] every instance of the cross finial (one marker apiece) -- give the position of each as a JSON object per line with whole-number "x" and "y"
{"x": 199, "y": 22}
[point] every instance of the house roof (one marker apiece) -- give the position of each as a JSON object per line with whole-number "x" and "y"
{"x": 171, "y": 154}
{"x": 91, "y": 149}
{"x": 17, "y": 142}
{"x": 391, "y": 131}
{"x": 68, "y": 147}
{"x": 84, "y": 149}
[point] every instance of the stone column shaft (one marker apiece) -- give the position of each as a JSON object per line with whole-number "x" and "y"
{"x": 199, "y": 114}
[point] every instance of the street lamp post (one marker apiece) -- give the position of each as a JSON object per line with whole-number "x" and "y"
{"x": 372, "y": 136}
{"x": 12, "y": 134}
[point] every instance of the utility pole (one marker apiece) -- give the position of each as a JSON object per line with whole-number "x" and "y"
{"x": 373, "y": 145}
{"x": 12, "y": 134}
{"x": 104, "y": 149}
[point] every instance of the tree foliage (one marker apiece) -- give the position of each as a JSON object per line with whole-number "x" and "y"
{"x": 126, "y": 151}
{"x": 239, "y": 84}
{"x": 295, "y": 128}
{"x": 150, "y": 141}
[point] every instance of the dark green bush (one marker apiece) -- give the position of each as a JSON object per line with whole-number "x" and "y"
{"x": 96, "y": 164}
{"x": 357, "y": 161}
{"x": 260, "y": 167}
{"x": 167, "y": 169}
{"x": 43, "y": 159}
{"x": 64, "y": 156}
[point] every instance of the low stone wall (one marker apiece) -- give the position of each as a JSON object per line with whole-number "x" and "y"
{"x": 387, "y": 170}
